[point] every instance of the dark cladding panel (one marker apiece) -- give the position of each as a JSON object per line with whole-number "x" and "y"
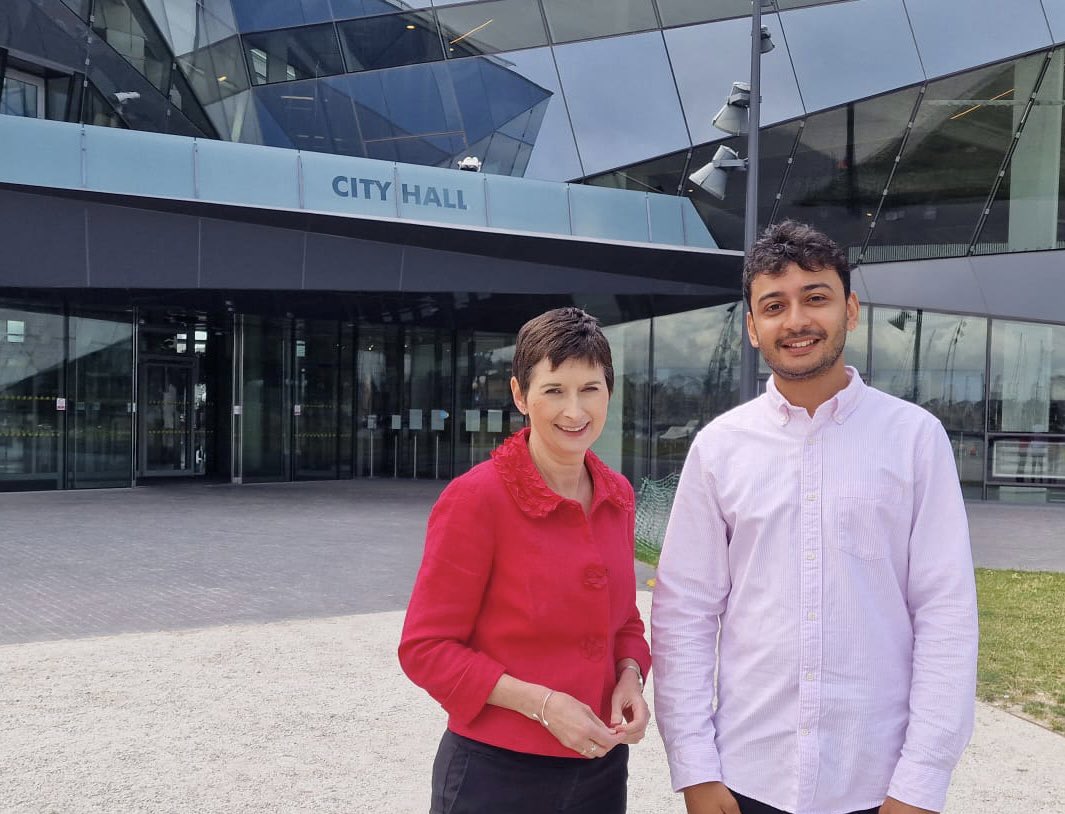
{"x": 132, "y": 248}
{"x": 241, "y": 255}
{"x": 43, "y": 241}
{"x": 345, "y": 264}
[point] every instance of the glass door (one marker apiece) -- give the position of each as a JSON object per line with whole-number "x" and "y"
{"x": 316, "y": 413}
{"x": 167, "y": 418}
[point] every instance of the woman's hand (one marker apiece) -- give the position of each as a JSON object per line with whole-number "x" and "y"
{"x": 629, "y": 714}
{"x": 577, "y": 727}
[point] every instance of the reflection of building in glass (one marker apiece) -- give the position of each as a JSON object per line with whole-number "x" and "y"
{"x": 374, "y": 345}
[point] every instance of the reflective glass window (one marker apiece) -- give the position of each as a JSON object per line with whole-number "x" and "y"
{"x": 724, "y": 217}
{"x": 253, "y": 15}
{"x": 1055, "y": 11}
{"x": 622, "y": 100}
{"x": 343, "y": 9}
{"x": 683, "y": 12}
{"x": 294, "y": 53}
{"x": 79, "y": 7}
{"x": 707, "y": 59}
{"x": 485, "y": 28}
{"x": 1027, "y": 377}
{"x": 597, "y": 18}
{"x": 215, "y": 71}
{"x": 31, "y": 360}
{"x": 128, "y": 28}
{"x": 937, "y": 361}
{"x": 842, "y": 162}
{"x": 624, "y": 444}
{"x": 100, "y": 401}
{"x": 98, "y": 111}
{"x": 696, "y": 378}
{"x": 992, "y": 30}
{"x": 267, "y": 402}
{"x": 1028, "y": 207}
{"x": 390, "y": 40}
{"x": 871, "y": 52}
{"x": 22, "y": 95}
{"x": 963, "y": 128}
{"x": 664, "y": 175}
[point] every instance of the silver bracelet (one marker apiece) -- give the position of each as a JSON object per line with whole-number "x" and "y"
{"x": 543, "y": 708}
{"x": 635, "y": 669}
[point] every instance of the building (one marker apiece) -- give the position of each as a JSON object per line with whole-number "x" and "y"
{"x": 256, "y": 283}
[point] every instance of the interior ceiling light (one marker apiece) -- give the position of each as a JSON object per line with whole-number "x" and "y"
{"x": 411, "y": 26}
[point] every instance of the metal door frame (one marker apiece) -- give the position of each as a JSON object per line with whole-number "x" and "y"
{"x": 190, "y": 365}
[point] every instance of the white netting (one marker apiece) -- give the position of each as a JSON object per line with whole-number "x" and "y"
{"x": 653, "y": 504}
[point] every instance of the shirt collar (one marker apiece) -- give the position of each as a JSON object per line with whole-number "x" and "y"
{"x": 839, "y": 407}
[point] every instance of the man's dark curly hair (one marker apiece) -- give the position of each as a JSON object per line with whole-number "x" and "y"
{"x": 792, "y": 242}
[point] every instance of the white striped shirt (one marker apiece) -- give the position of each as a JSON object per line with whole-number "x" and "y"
{"x": 832, "y": 553}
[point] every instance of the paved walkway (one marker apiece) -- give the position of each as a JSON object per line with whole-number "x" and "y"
{"x": 219, "y": 649}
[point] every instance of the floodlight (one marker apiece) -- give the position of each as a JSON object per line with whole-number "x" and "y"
{"x": 732, "y": 118}
{"x": 767, "y": 43}
{"x": 712, "y": 177}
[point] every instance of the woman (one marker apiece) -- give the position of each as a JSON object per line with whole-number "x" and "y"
{"x": 523, "y": 621}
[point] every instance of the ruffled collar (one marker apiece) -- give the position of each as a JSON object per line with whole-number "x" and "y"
{"x": 534, "y": 497}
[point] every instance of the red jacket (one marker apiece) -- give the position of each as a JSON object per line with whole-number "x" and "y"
{"x": 517, "y": 579}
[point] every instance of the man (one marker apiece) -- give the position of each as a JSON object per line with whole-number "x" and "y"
{"x": 817, "y": 560}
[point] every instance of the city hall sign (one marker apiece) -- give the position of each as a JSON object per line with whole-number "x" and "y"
{"x": 371, "y": 189}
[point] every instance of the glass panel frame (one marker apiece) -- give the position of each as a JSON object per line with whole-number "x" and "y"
{"x": 390, "y": 40}
{"x": 292, "y": 54}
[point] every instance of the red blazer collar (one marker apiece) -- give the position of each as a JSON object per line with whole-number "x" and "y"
{"x": 515, "y": 465}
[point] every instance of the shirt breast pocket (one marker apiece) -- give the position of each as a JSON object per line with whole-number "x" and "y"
{"x": 871, "y": 521}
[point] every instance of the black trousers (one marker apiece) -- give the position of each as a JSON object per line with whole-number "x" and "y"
{"x": 749, "y": 806}
{"x": 474, "y": 778}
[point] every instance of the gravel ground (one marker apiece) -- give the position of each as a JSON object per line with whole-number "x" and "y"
{"x": 315, "y": 716}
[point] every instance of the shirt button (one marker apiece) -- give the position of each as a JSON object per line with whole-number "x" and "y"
{"x": 811, "y": 495}
{"x": 811, "y": 441}
{"x": 811, "y": 616}
{"x": 810, "y": 555}
{"x": 809, "y": 676}
{"x": 804, "y": 731}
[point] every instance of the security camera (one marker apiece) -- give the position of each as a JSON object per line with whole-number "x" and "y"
{"x": 470, "y": 163}
{"x": 124, "y": 96}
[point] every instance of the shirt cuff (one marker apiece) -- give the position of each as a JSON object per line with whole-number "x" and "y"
{"x": 920, "y": 785}
{"x": 693, "y": 767}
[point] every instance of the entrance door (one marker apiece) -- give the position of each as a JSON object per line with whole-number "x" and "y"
{"x": 167, "y": 418}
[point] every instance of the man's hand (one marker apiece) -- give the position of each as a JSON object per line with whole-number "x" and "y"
{"x": 893, "y": 806}
{"x": 710, "y": 798}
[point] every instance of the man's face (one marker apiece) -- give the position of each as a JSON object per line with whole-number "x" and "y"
{"x": 799, "y": 321}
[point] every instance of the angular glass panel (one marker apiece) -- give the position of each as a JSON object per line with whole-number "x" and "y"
{"x": 992, "y": 30}
{"x": 390, "y": 40}
{"x": 1027, "y": 377}
{"x": 368, "y": 8}
{"x": 597, "y": 18}
{"x": 96, "y": 110}
{"x": 526, "y": 205}
{"x": 1026, "y": 214}
{"x": 622, "y": 100}
{"x": 518, "y": 95}
{"x": 964, "y": 127}
{"x": 1055, "y": 11}
{"x": 255, "y": 15}
{"x": 216, "y": 71}
{"x": 863, "y": 63}
{"x": 664, "y": 175}
{"x": 22, "y": 96}
{"x": 666, "y": 215}
{"x": 934, "y": 360}
{"x": 707, "y": 59}
{"x": 291, "y": 54}
{"x": 128, "y": 28}
{"x": 724, "y": 218}
{"x": 485, "y": 28}
{"x": 608, "y": 213}
{"x": 842, "y": 163}
{"x": 683, "y": 12}
{"x": 310, "y": 115}
{"x": 696, "y": 378}
{"x": 31, "y": 361}
{"x": 79, "y": 7}
{"x": 100, "y": 401}
{"x": 138, "y": 163}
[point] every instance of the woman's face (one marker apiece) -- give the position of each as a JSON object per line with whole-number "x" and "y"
{"x": 566, "y": 406}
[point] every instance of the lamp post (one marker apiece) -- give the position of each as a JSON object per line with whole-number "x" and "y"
{"x": 749, "y": 355}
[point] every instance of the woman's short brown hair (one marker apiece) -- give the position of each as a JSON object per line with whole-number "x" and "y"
{"x": 560, "y": 335}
